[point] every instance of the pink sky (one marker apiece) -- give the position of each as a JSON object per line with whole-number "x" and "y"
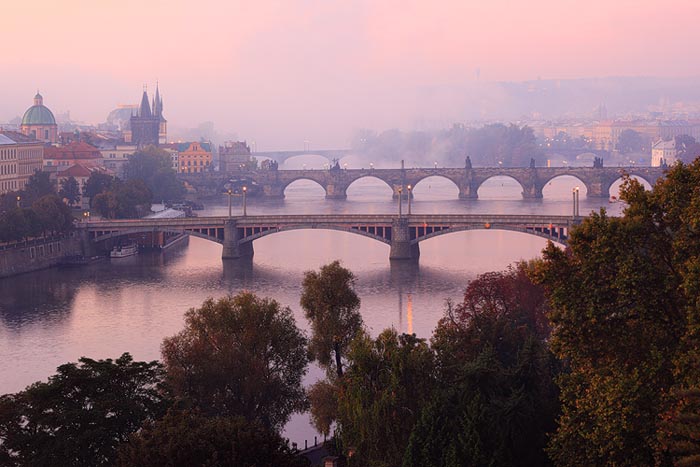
{"x": 278, "y": 71}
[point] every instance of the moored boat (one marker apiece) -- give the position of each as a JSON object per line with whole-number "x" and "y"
{"x": 122, "y": 251}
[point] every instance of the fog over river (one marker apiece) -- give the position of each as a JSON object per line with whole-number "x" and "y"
{"x": 129, "y": 305}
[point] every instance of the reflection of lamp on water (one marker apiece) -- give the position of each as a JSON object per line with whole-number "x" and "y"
{"x": 409, "y": 313}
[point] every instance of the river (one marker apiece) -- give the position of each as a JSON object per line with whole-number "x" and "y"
{"x": 129, "y": 305}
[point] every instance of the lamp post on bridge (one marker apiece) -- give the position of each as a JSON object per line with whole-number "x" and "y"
{"x": 575, "y": 194}
{"x": 229, "y": 192}
{"x": 245, "y": 198}
{"x": 19, "y": 198}
{"x": 86, "y": 216}
{"x": 409, "y": 199}
{"x": 400, "y": 196}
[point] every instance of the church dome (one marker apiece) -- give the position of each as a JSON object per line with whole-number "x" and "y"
{"x": 38, "y": 114}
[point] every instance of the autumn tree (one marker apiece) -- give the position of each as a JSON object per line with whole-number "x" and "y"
{"x": 332, "y": 307}
{"x": 188, "y": 438}
{"x": 624, "y": 309}
{"x": 81, "y": 415}
{"x": 496, "y": 400}
{"x": 239, "y": 356}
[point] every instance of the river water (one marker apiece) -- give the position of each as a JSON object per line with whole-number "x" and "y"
{"x": 129, "y": 305}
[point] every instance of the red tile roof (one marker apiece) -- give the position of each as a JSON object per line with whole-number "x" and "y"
{"x": 74, "y": 150}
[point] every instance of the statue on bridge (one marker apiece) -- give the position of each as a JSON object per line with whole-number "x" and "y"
{"x": 468, "y": 163}
{"x": 597, "y": 162}
{"x": 532, "y": 162}
{"x": 269, "y": 164}
{"x": 335, "y": 167}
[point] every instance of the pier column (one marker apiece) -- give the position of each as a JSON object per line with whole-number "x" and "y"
{"x": 401, "y": 247}
{"x": 532, "y": 191}
{"x": 275, "y": 191}
{"x": 233, "y": 248}
{"x": 468, "y": 191}
{"x": 404, "y": 192}
{"x": 336, "y": 191}
{"x": 598, "y": 186}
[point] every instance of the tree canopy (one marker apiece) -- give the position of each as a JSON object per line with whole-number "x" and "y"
{"x": 239, "y": 356}
{"x": 81, "y": 415}
{"x": 154, "y": 167}
{"x": 332, "y": 307}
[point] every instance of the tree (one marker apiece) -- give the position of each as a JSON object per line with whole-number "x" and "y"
{"x": 96, "y": 184}
{"x": 387, "y": 383}
{"x": 70, "y": 191}
{"x": 53, "y": 214}
{"x": 496, "y": 400}
{"x": 624, "y": 302}
{"x": 154, "y": 168}
{"x": 81, "y": 414}
{"x": 630, "y": 141}
{"x": 331, "y": 305}
{"x": 123, "y": 199}
{"x": 188, "y": 438}
{"x": 239, "y": 356}
{"x": 38, "y": 185}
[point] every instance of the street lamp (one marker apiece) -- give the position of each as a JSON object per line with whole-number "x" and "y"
{"x": 86, "y": 216}
{"x": 345, "y": 165}
{"x": 409, "y": 199}
{"x": 435, "y": 164}
{"x": 400, "y": 196}
{"x": 575, "y": 195}
{"x": 245, "y": 198}
{"x": 229, "y": 193}
{"x": 500, "y": 164}
{"x": 371, "y": 165}
{"x": 18, "y": 200}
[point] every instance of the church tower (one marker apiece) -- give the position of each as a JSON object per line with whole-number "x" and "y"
{"x": 148, "y": 126}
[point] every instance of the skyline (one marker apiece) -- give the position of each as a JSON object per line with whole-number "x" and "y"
{"x": 284, "y": 72}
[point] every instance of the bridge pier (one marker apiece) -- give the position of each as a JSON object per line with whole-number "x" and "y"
{"x": 274, "y": 191}
{"x": 233, "y": 248}
{"x": 401, "y": 246}
{"x": 533, "y": 191}
{"x": 334, "y": 191}
{"x": 468, "y": 192}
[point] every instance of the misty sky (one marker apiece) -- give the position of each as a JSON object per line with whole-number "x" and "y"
{"x": 281, "y": 72}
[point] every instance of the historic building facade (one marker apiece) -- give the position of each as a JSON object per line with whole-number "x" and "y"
{"x": 39, "y": 123}
{"x": 195, "y": 157}
{"x": 20, "y": 157}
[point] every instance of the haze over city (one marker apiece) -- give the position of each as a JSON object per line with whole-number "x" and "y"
{"x": 281, "y": 73}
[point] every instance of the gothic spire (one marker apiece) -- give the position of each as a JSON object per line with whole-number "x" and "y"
{"x": 145, "y": 109}
{"x": 158, "y": 103}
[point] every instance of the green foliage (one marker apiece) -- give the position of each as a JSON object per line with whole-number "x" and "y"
{"x": 331, "y": 305}
{"x": 154, "y": 168}
{"x": 625, "y": 300}
{"x": 19, "y": 224}
{"x": 184, "y": 439}
{"x": 96, "y": 184}
{"x": 387, "y": 383}
{"x": 70, "y": 191}
{"x": 496, "y": 400}
{"x": 122, "y": 200}
{"x": 79, "y": 417}
{"x": 52, "y": 214}
{"x": 323, "y": 398}
{"x": 239, "y": 356}
{"x": 38, "y": 185}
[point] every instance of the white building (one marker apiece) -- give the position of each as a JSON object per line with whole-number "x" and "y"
{"x": 663, "y": 153}
{"x": 116, "y": 158}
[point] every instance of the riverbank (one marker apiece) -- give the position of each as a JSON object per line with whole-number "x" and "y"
{"x": 38, "y": 254}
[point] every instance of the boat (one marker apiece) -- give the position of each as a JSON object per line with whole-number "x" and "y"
{"x": 122, "y": 251}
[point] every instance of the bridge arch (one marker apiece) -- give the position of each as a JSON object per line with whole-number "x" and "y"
{"x": 370, "y": 177}
{"x": 425, "y": 179}
{"x": 253, "y": 237}
{"x": 557, "y": 178}
{"x": 287, "y": 183}
{"x": 485, "y": 181}
{"x": 217, "y": 233}
{"x": 311, "y": 160}
{"x": 542, "y": 234}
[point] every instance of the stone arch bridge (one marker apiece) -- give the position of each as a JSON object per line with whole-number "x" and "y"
{"x": 335, "y": 182}
{"x": 403, "y": 234}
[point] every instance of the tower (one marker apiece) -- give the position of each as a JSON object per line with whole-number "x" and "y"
{"x": 148, "y": 126}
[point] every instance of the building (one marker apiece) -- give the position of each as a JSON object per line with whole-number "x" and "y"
{"x": 148, "y": 126}
{"x": 20, "y": 157}
{"x": 39, "y": 123}
{"x": 174, "y": 157}
{"x": 195, "y": 157}
{"x": 81, "y": 174}
{"x": 234, "y": 155}
{"x": 60, "y": 158}
{"x": 663, "y": 153}
{"x": 115, "y": 159}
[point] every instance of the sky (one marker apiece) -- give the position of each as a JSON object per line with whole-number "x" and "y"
{"x": 284, "y": 72}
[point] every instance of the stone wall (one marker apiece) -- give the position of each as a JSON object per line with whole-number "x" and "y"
{"x": 36, "y": 255}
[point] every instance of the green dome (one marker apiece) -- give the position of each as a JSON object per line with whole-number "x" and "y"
{"x": 38, "y": 115}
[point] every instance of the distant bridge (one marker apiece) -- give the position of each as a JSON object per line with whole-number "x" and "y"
{"x": 336, "y": 182}
{"x": 281, "y": 156}
{"x": 403, "y": 234}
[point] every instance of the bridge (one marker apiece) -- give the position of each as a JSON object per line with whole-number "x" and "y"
{"x": 335, "y": 182}
{"x": 281, "y": 156}
{"x": 403, "y": 234}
